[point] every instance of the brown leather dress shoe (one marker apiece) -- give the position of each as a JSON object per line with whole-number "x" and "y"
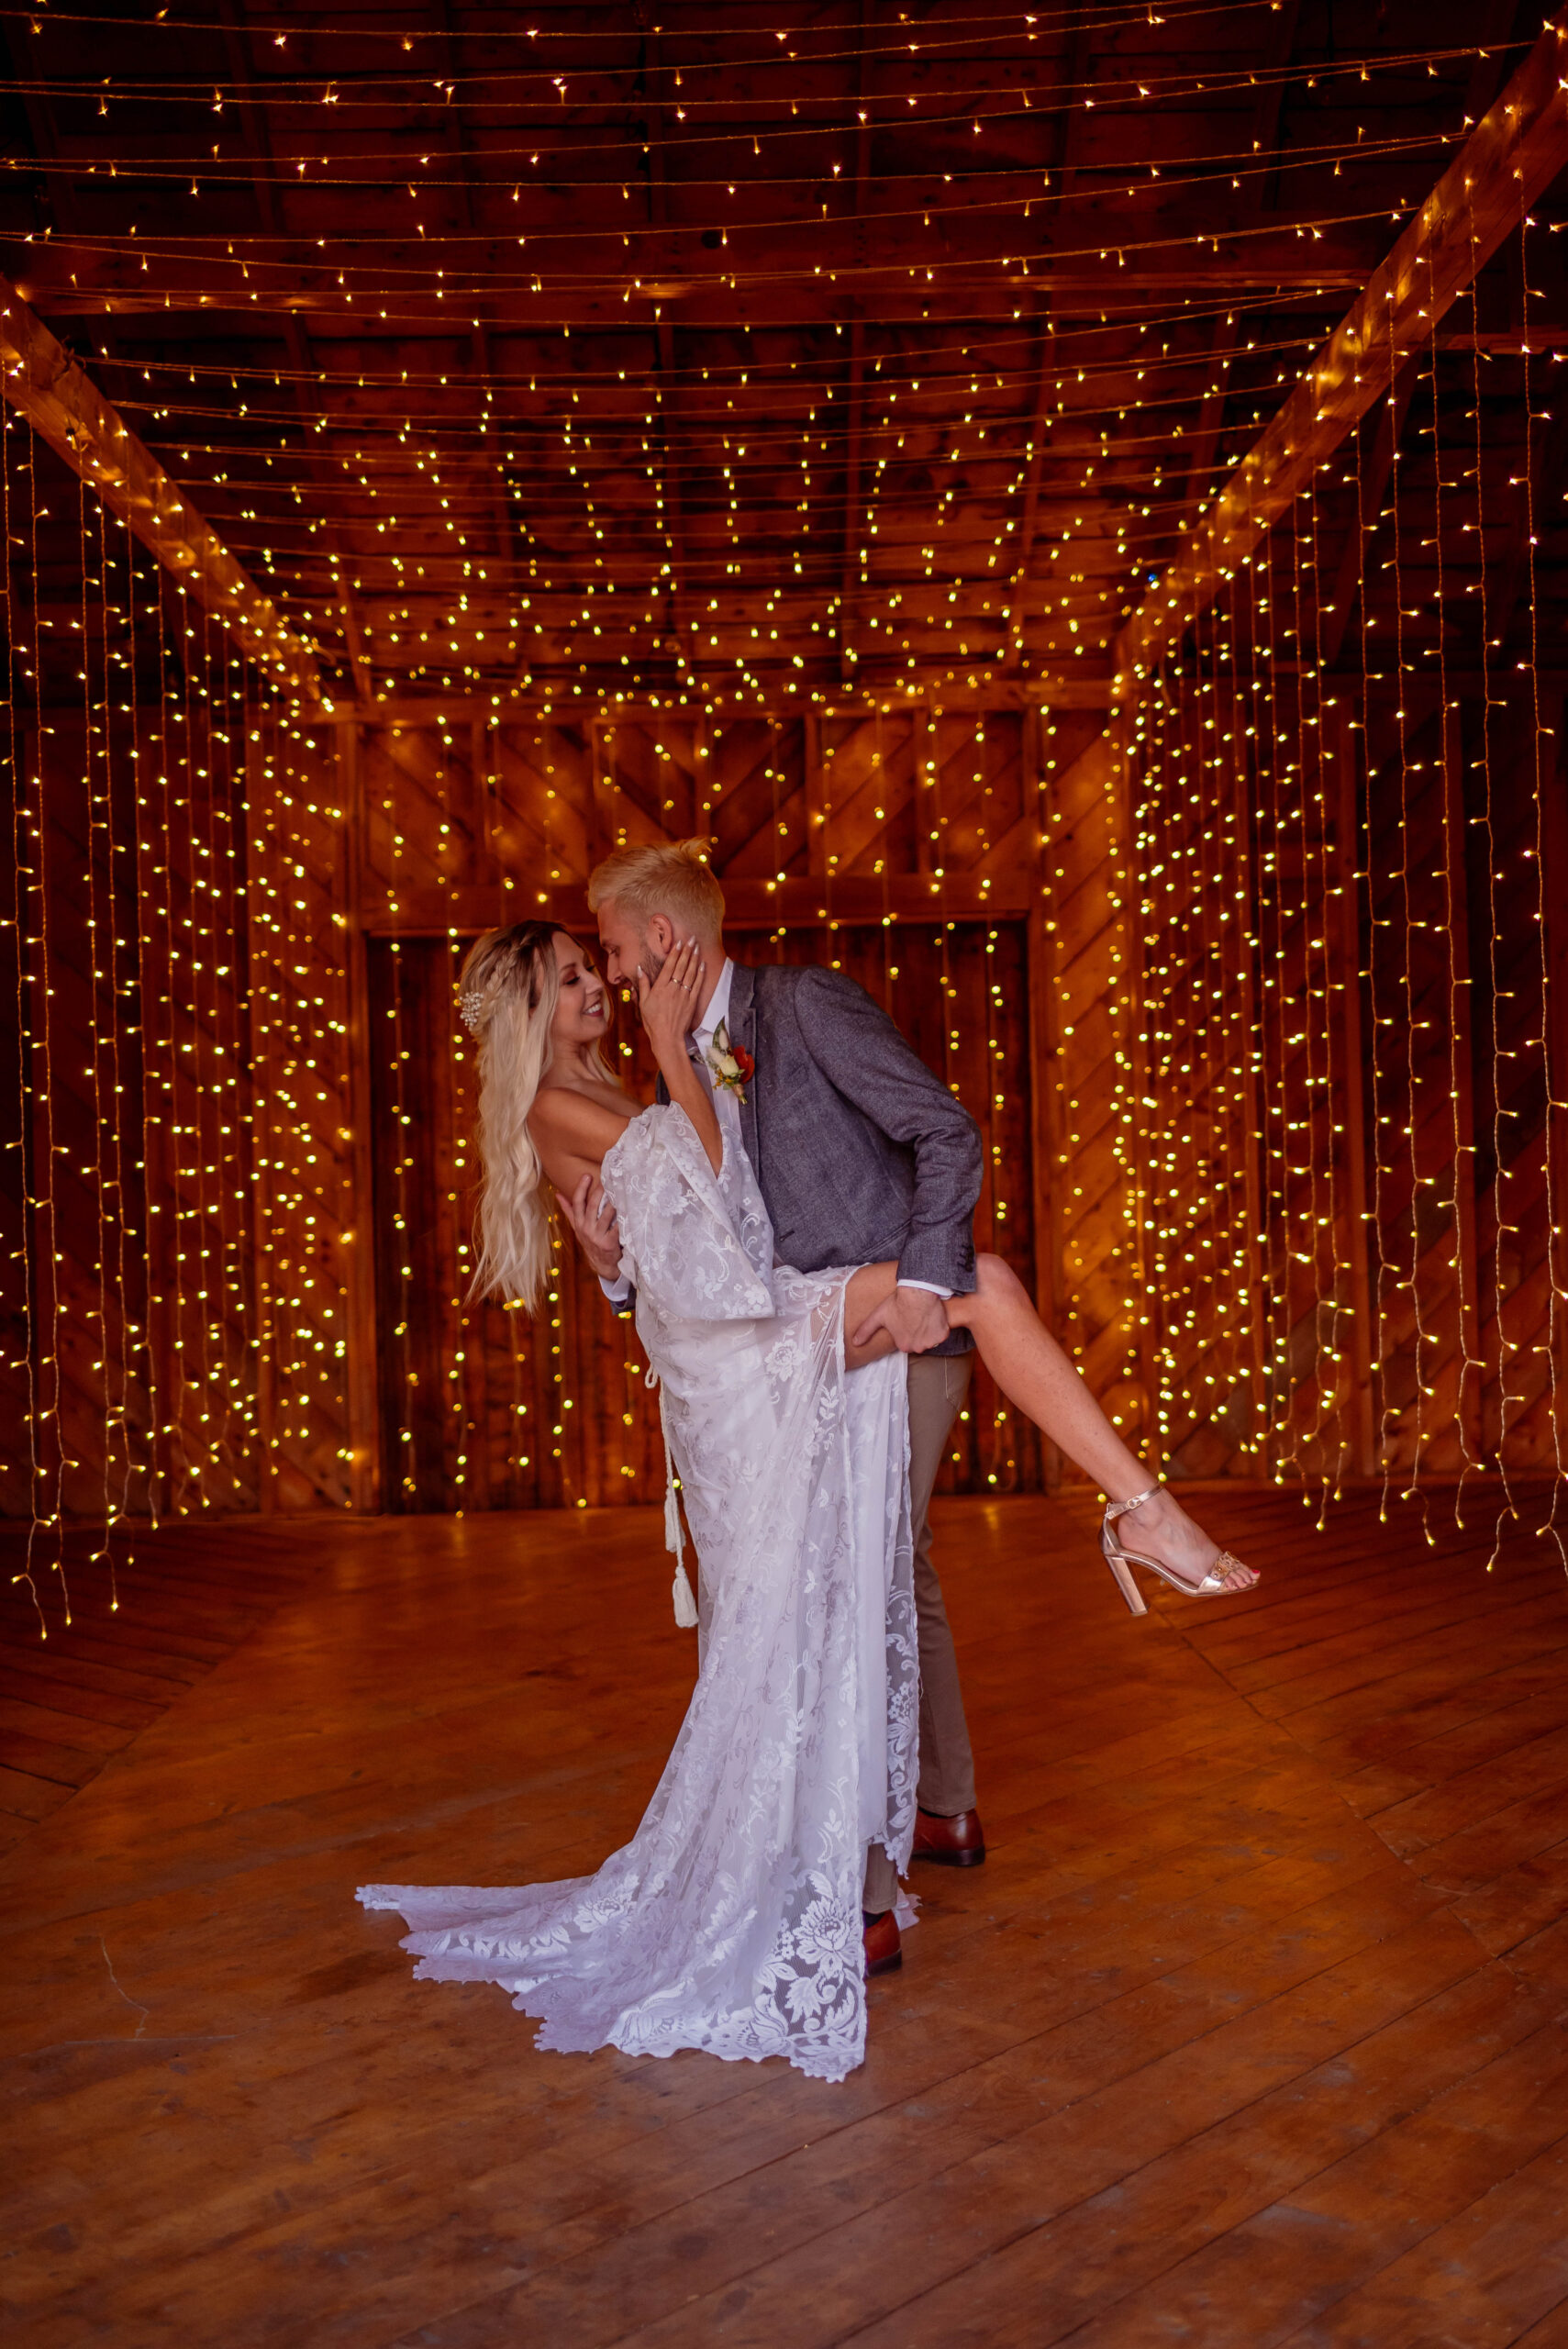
{"x": 957, "y": 1843}
{"x": 884, "y": 1948}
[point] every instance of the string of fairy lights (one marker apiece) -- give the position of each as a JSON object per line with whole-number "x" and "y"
{"x": 497, "y": 598}
{"x": 551, "y": 1412}
{"x": 1387, "y": 875}
{"x": 492, "y": 539}
{"x": 1305, "y": 1119}
{"x": 165, "y": 1337}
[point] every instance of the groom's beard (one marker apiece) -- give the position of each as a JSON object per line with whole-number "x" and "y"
{"x": 649, "y": 962}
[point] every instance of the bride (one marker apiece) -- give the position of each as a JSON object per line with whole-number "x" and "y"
{"x": 731, "y": 1921}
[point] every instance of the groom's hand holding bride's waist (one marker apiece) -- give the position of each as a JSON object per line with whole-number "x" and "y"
{"x": 913, "y": 1318}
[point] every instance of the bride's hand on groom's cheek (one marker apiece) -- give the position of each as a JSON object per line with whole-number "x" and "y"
{"x": 667, "y": 1004}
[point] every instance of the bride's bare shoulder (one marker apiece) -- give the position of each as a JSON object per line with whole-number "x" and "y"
{"x": 583, "y": 1123}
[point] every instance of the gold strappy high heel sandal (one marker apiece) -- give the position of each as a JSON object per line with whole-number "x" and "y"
{"x": 1121, "y": 1561}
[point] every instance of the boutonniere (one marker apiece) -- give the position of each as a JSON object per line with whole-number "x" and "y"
{"x": 731, "y": 1065}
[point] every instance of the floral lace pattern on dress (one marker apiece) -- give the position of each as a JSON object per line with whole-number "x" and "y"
{"x": 731, "y": 1921}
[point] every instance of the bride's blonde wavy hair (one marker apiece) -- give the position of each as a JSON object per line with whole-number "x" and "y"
{"x": 509, "y": 988}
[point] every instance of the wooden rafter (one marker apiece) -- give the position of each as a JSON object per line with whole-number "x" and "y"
{"x": 42, "y": 379}
{"x": 1512, "y": 156}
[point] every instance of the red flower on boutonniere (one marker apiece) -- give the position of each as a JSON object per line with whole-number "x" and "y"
{"x": 732, "y": 1066}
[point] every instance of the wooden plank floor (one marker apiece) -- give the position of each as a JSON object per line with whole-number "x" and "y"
{"x": 81, "y": 1675}
{"x": 1253, "y": 2030}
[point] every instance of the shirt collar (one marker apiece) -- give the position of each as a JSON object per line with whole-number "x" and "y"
{"x": 718, "y": 1010}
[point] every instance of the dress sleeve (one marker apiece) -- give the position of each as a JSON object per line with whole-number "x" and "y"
{"x": 697, "y": 1246}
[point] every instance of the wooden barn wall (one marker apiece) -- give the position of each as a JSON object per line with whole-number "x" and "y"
{"x": 309, "y": 1184}
{"x": 129, "y": 1371}
{"x": 1468, "y": 1174}
{"x": 482, "y": 1407}
{"x": 1089, "y": 1030}
{"x": 1266, "y": 1079}
{"x": 1353, "y": 947}
{"x": 184, "y": 1173}
{"x": 904, "y": 848}
{"x": 1259, "y": 1068}
{"x": 1211, "y": 1309}
{"x": 250, "y": 1264}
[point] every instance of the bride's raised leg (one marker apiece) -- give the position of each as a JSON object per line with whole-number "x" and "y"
{"x": 1035, "y": 1375}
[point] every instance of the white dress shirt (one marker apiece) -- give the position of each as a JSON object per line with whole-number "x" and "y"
{"x": 726, "y": 1106}
{"x": 718, "y": 1008}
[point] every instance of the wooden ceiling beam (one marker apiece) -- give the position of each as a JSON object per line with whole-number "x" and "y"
{"x": 46, "y": 384}
{"x": 1512, "y": 156}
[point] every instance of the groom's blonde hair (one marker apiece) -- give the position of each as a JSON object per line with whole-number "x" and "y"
{"x": 668, "y": 877}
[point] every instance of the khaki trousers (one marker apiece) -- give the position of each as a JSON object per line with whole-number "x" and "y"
{"x": 937, "y": 1385}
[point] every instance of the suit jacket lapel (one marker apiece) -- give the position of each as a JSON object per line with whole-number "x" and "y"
{"x": 742, "y": 1025}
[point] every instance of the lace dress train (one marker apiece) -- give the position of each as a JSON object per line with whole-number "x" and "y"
{"x": 731, "y": 1921}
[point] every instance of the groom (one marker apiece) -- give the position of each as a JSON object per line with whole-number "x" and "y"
{"x": 861, "y": 1155}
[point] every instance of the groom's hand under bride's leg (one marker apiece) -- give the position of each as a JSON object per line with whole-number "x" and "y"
{"x": 866, "y": 1335}
{"x": 913, "y": 1319}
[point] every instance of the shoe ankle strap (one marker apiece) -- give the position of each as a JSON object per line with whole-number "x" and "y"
{"x": 1120, "y": 1509}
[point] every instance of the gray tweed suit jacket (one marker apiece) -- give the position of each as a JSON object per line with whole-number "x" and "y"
{"x": 860, "y": 1152}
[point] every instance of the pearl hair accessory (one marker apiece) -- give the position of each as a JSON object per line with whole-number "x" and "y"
{"x": 476, "y": 1002}
{"x": 475, "y": 1005}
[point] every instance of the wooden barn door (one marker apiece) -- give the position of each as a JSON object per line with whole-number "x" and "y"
{"x": 484, "y": 1408}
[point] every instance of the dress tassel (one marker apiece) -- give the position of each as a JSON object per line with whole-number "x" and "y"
{"x": 685, "y": 1601}
{"x": 681, "y": 1590}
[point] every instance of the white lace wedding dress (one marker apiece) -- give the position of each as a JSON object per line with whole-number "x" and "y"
{"x": 731, "y": 1921}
